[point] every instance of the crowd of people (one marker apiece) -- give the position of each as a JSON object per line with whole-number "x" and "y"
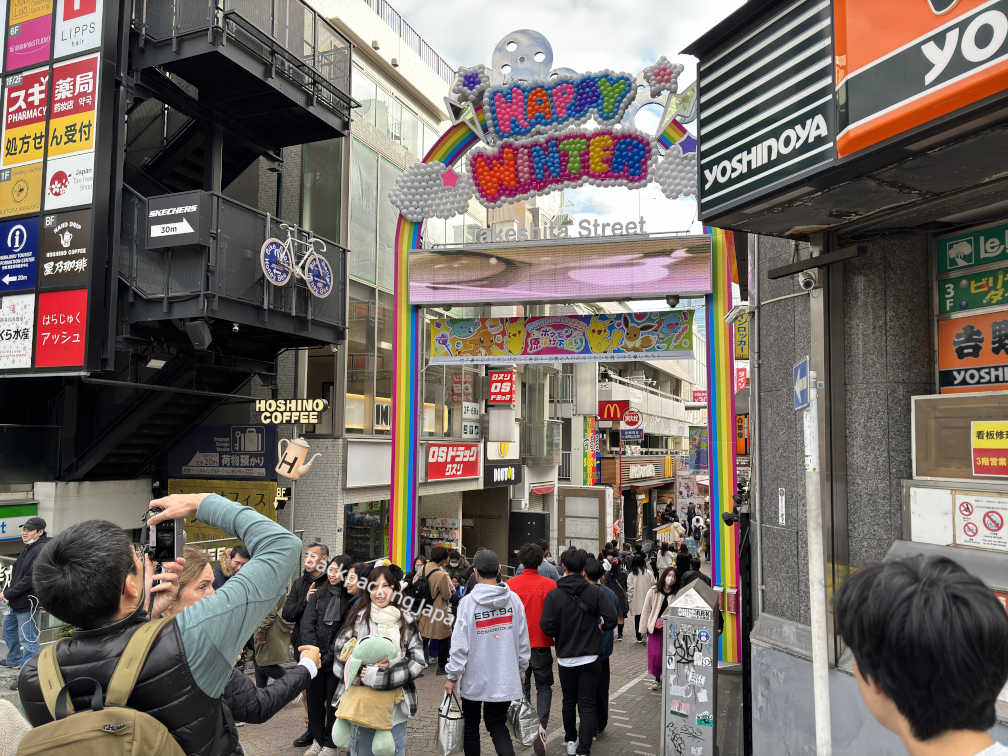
{"x": 363, "y": 633}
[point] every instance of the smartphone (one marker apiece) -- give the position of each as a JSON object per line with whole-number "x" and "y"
{"x": 166, "y": 541}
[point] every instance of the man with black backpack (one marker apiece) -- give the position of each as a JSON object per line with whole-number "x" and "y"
{"x": 91, "y": 577}
{"x": 570, "y": 616}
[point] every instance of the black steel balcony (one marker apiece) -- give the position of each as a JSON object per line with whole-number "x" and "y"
{"x": 273, "y": 69}
{"x": 222, "y": 280}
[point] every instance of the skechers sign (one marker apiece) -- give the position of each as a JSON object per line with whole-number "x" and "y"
{"x": 766, "y": 108}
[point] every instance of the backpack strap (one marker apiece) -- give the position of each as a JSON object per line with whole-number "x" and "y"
{"x": 50, "y": 678}
{"x": 127, "y": 671}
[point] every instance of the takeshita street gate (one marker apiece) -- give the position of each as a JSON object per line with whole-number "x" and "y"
{"x": 523, "y": 136}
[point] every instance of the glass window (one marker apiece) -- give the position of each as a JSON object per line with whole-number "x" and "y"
{"x": 430, "y": 136}
{"x": 360, "y": 351}
{"x": 411, "y": 132}
{"x": 367, "y": 530}
{"x": 363, "y": 210}
{"x": 434, "y": 413}
{"x": 320, "y": 182}
{"x": 433, "y": 232}
{"x": 388, "y": 217}
{"x": 321, "y": 383}
{"x": 395, "y": 119}
{"x": 364, "y": 90}
{"x": 383, "y": 111}
{"x": 384, "y": 366}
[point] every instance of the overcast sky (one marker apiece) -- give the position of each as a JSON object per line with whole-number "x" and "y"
{"x": 586, "y": 35}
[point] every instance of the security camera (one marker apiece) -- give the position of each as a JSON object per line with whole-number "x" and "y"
{"x": 808, "y": 279}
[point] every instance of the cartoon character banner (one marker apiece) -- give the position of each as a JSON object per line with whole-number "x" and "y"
{"x": 563, "y": 338}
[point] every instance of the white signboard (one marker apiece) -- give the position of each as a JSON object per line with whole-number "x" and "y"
{"x": 470, "y": 411}
{"x": 980, "y": 520}
{"x": 78, "y": 27}
{"x": 69, "y": 181}
{"x": 470, "y": 429}
{"x": 17, "y": 319}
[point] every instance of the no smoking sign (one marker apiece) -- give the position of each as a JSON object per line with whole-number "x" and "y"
{"x": 965, "y": 509}
{"x": 980, "y": 520}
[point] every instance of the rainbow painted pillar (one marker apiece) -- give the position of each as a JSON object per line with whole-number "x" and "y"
{"x": 721, "y": 428}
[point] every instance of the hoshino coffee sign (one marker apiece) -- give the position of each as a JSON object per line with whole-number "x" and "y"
{"x": 791, "y": 140}
{"x": 766, "y": 108}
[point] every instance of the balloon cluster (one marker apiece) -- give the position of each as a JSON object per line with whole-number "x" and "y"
{"x": 430, "y": 190}
{"x": 676, "y": 173}
{"x": 663, "y": 76}
{"x": 471, "y": 83}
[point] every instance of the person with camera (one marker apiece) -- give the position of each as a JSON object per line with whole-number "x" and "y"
{"x": 20, "y": 631}
{"x": 244, "y": 702}
{"x": 92, "y": 577}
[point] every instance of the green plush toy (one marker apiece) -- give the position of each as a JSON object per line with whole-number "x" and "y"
{"x": 365, "y": 706}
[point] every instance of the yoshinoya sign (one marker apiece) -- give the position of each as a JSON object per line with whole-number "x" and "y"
{"x": 497, "y": 474}
{"x": 289, "y": 411}
{"x": 766, "y": 113}
{"x": 175, "y": 220}
{"x": 447, "y": 461}
{"x": 919, "y": 61}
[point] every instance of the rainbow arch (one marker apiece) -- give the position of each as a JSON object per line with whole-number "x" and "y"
{"x": 407, "y": 353}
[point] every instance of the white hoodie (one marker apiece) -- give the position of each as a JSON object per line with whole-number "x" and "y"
{"x": 489, "y": 645}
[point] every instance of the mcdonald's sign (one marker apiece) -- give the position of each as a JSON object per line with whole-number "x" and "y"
{"x": 613, "y": 410}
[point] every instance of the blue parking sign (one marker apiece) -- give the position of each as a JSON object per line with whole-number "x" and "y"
{"x": 18, "y": 254}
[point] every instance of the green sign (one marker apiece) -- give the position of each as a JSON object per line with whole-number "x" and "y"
{"x": 970, "y": 249}
{"x": 973, "y": 291}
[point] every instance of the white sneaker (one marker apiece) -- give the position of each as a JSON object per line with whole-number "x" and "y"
{"x": 313, "y": 750}
{"x": 571, "y": 748}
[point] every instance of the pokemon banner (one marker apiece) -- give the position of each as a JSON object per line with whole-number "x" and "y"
{"x": 563, "y": 338}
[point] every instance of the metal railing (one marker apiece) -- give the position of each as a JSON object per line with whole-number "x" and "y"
{"x": 564, "y": 473}
{"x": 413, "y": 40}
{"x": 229, "y": 268}
{"x": 289, "y": 35}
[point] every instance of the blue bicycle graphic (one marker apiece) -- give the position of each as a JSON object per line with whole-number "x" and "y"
{"x": 279, "y": 264}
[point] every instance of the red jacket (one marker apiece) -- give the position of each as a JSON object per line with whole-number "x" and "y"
{"x": 531, "y": 588}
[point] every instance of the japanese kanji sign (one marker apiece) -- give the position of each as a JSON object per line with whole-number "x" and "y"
{"x": 30, "y": 36}
{"x": 25, "y": 107}
{"x": 16, "y": 321}
{"x": 980, "y": 520}
{"x": 18, "y": 247}
{"x": 65, "y": 249}
{"x": 61, "y": 323}
{"x": 989, "y": 442}
{"x": 973, "y": 353}
{"x": 20, "y": 190}
{"x": 973, "y": 291}
{"x": 78, "y": 26}
{"x": 74, "y": 99}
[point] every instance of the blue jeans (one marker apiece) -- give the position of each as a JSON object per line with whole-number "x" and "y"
{"x": 360, "y": 740}
{"x": 21, "y": 638}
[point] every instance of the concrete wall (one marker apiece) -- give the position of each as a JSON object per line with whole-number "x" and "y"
{"x": 120, "y": 501}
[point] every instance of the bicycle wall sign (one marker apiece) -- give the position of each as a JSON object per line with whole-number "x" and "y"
{"x": 297, "y": 258}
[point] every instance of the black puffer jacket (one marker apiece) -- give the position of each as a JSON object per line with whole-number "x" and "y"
{"x": 20, "y": 587}
{"x": 330, "y": 601}
{"x": 570, "y": 616}
{"x": 244, "y": 702}
{"x": 297, "y": 601}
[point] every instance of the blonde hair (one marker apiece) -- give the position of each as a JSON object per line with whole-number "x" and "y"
{"x": 195, "y": 561}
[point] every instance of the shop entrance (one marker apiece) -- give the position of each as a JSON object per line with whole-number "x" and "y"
{"x": 525, "y": 527}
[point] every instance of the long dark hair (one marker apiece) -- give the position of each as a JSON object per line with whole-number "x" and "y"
{"x": 362, "y": 606}
{"x": 344, "y": 562}
{"x": 661, "y": 580}
{"x": 637, "y": 564}
{"x": 664, "y": 547}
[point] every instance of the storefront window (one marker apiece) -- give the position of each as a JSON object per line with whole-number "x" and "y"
{"x": 321, "y": 382}
{"x": 360, "y": 348}
{"x": 434, "y": 413}
{"x": 320, "y": 183}
{"x": 366, "y": 533}
{"x": 383, "y": 366}
{"x": 364, "y": 91}
{"x": 363, "y": 211}
{"x": 388, "y": 217}
{"x": 383, "y": 111}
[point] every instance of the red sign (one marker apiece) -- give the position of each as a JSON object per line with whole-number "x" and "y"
{"x": 741, "y": 378}
{"x": 632, "y": 419}
{"x": 965, "y": 509}
{"x": 993, "y": 521}
{"x": 76, "y": 8}
{"x": 970, "y": 529}
{"x": 613, "y": 410}
{"x": 699, "y": 396}
{"x": 60, "y": 326}
{"x": 453, "y": 461}
{"x": 502, "y": 387}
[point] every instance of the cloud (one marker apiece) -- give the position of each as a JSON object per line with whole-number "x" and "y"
{"x": 676, "y": 173}
{"x": 586, "y": 36}
{"x": 422, "y": 192}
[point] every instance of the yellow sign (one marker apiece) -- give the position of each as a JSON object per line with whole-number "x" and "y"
{"x": 71, "y": 134}
{"x": 742, "y": 337}
{"x": 258, "y": 494}
{"x": 26, "y": 10}
{"x": 20, "y": 190}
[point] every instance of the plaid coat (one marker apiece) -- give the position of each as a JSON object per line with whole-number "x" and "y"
{"x": 398, "y": 675}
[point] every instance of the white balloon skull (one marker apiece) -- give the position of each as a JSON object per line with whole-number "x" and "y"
{"x": 522, "y": 55}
